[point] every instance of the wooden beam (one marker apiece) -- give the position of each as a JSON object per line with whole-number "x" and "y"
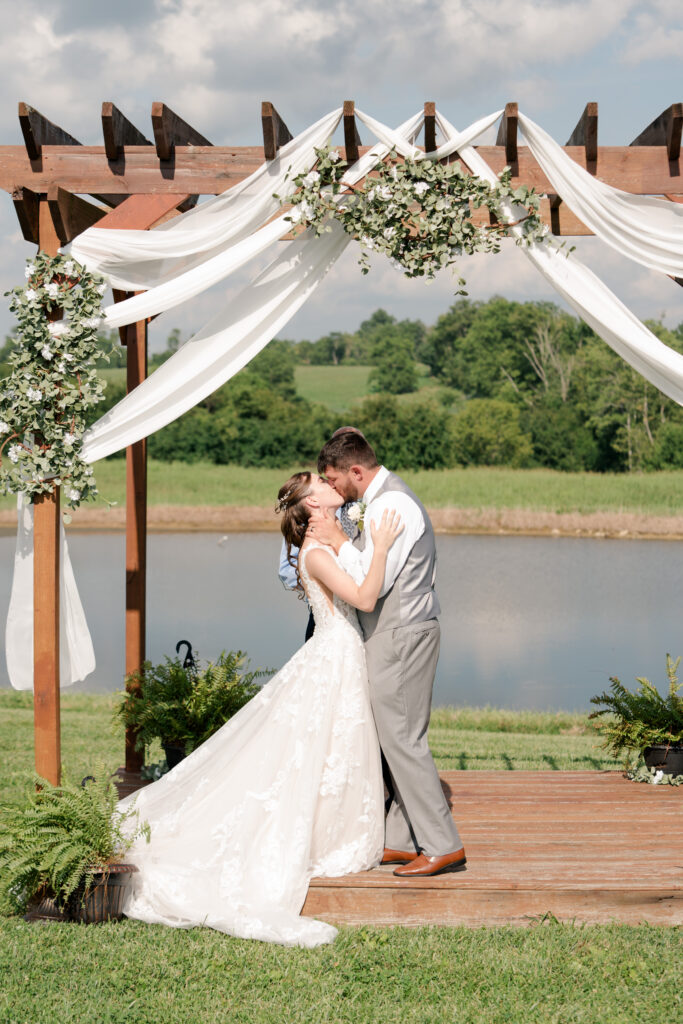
{"x": 430, "y": 127}
{"x": 26, "y": 205}
{"x": 71, "y": 214}
{"x": 170, "y": 131}
{"x": 118, "y": 132}
{"x": 275, "y": 131}
{"x": 136, "y": 534}
{"x": 507, "y": 133}
{"x": 142, "y": 211}
{"x": 46, "y": 590}
{"x": 586, "y": 133}
{"x": 351, "y": 136}
{"x": 39, "y": 132}
{"x": 665, "y": 130}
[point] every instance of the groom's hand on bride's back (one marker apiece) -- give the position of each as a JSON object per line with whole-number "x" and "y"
{"x": 325, "y": 528}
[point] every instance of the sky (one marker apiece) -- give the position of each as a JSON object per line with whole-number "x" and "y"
{"x": 213, "y": 62}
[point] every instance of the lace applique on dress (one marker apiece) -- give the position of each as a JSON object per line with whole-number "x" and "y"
{"x": 289, "y": 788}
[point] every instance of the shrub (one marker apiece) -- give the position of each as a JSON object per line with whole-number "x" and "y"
{"x": 488, "y": 433}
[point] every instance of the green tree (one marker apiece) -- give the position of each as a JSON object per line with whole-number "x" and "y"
{"x": 488, "y": 432}
{"x": 395, "y": 369}
{"x": 414, "y": 436}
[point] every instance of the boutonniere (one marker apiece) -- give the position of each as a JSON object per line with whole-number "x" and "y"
{"x": 356, "y": 513}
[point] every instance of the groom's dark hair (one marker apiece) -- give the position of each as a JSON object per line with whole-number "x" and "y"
{"x": 345, "y": 450}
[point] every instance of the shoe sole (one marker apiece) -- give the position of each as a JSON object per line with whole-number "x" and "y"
{"x": 384, "y": 863}
{"x": 456, "y": 866}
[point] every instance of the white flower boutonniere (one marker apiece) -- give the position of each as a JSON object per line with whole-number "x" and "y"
{"x": 356, "y": 513}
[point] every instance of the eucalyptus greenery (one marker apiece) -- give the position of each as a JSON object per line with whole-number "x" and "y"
{"x": 640, "y": 719}
{"x": 418, "y": 213}
{"x": 54, "y": 843}
{"x": 53, "y": 381}
{"x": 638, "y": 771}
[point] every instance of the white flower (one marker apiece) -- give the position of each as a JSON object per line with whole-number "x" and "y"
{"x": 312, "y": 178}
{"x": 14, "y": 452}
{"x": 354, "y": 512}
{"x": 52, "y": 289}
{"x": 68, "y": 463}
{"x": 334, "y": 155}
{"x": 307, "y": 211}
{"x": 69, "y": 267}
{"x": 34, "y": 395}
{"x": 46, "y": 352}
{"x": 384, "y": 192}
{"x": 68, "y": 357}
{"x": 29, "y": 270}
{"x": 69, "y": 438}
{"x": 58, "y": 481}
{"x": 367, "y": 242}
{"x": 657, "y": 777}
{"x": 92, "y": 322}
{"x": 74, "y": 495}
{"x": 294, "y": 215}
{"x": 61, "y": 368}
{"x": 101, "y": 288}
{"x": 31, "y": 294}
{"x": 389, "y": 233}
{"x": 4, "y": 427}
{"x": 88, "y": 472}
{"x": 421, "y": 188}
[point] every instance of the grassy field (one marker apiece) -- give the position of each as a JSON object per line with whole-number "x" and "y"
{"x": 335, "y": 386}
{"x": 131, "y": 972}
{"x": 460, "y": 738}
{"x": 203, "y": 483}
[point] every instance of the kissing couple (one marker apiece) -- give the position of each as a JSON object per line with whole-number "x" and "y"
{"x": 291, "y": 787}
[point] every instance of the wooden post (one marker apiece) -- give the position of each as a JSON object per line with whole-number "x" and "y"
{"x": 46, "y": 591}
{"x": 136, "y": 532}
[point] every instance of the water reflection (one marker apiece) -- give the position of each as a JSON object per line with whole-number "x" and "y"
{"x": 527, "y": 622}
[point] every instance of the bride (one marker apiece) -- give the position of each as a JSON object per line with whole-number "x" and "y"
{"x": 291, "y": 786}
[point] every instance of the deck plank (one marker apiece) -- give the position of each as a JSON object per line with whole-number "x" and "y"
{"x": 586, "y": 846}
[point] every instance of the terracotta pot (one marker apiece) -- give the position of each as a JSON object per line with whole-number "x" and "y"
{"x": 668, "y": 759}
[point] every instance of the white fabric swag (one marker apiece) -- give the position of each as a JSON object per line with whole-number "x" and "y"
{"x": 186, "y": 255}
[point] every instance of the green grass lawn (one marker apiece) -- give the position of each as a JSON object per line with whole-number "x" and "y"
{"x": 460, "y": 738}
{"x": 203, "y": 483}
{"x": 334, "y": 386}
{"x": 131, "y": 972}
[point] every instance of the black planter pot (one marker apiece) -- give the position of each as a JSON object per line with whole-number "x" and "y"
{"x": 174, "y": 754}
{"x": 665, "y": 758}
{"x": 105, "y": 899}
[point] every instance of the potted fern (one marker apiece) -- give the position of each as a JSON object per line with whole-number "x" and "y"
{"x": 181, "y": 706}
{"x": 60, "y": 851}
{"x": 644, "y": 721}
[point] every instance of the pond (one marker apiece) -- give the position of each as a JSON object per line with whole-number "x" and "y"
{"x": 527, "y": 622}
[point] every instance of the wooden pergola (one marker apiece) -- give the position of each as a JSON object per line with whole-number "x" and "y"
{"x": 137, "y": 183}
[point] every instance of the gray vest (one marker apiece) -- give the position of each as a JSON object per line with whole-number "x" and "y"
{"x": 412, "y": 598}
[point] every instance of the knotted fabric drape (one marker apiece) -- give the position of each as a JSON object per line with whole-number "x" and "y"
{"x": 186, "y": 255}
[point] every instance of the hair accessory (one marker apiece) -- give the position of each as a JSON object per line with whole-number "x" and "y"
{"x": 283, "y": 502}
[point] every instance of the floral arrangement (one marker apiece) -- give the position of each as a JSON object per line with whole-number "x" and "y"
{"x": 53, "y": 380}
{"x": 417, "y": 213}
{"x": 356, "y": 513}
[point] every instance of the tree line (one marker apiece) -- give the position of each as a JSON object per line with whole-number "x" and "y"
{"x": 492, "y": 382}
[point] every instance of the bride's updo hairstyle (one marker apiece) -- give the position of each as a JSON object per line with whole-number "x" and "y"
{"x": 295, "y": 515}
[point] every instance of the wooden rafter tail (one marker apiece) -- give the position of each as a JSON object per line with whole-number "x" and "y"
{"x": 39, "y": 132}
{"x": 586, "y": 134}
{"x": 118, "y": 132}
{"x": 275, "y": 131}
{"x": 352, "y": 140}
{"x": 71, "y": 214}
{"x": 507, "y": 132}
{"x": 665, "y": 130}
{"x": 170, "y": 131}
{"x": 430, "y": 126}
{"x": 26, "y": 205}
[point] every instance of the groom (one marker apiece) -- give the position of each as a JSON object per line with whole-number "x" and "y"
{"x": 402, "y": 648}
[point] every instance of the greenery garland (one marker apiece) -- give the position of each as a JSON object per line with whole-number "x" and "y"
{"x": 53, "y": 381}
{"x": 417, "y": 213}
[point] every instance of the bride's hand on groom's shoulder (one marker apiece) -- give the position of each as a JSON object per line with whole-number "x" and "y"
{"x": 387, "y": 530}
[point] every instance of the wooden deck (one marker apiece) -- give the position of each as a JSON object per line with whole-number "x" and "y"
{"x": 585, "y": 846}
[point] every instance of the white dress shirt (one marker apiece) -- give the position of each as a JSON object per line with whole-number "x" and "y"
{"x": 353, "y": 560}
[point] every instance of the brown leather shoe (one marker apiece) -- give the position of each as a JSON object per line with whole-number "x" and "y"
{"x": 424, "y": 866}
{"x": 398, "y": 856}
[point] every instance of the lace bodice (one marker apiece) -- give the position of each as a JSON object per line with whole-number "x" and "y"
{"x": 325, "y": 617}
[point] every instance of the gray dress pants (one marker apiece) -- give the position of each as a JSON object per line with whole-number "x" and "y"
{"x": 401, "y": 668}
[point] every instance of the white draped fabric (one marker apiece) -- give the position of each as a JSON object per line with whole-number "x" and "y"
{"x": 184, "y": 256}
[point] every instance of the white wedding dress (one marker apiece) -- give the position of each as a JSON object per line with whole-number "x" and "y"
{"x": 289, "y": 788}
